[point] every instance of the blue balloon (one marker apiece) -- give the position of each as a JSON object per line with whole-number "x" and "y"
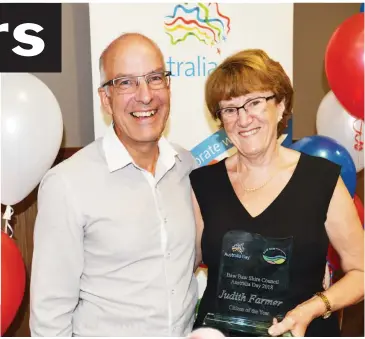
{"x": 328, "y": 148}
{"x": 362, "y": 8}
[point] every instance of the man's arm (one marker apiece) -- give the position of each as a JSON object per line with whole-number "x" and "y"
{"x": 199, "y": 224}
{"x": 57, "y": 259}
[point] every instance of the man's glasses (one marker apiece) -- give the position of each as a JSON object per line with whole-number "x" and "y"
{"x": 254, "y": 106}
{"x": 155, "y": 80}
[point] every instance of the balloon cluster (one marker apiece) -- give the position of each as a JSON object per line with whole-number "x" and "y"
{"x": 340, "y": 116}
{"x": 31, "y": 135}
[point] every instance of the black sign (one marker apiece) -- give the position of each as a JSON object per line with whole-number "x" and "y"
{"x": 30, "y": 37}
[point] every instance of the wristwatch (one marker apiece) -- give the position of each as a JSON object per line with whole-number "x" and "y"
{"x": 328, "y": 311}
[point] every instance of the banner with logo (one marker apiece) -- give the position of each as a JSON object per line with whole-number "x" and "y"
{"x": 194, "y": 38}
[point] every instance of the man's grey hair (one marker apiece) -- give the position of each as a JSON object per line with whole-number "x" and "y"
{"x": 102, "y": 71}
{"x": 102, "y": 74}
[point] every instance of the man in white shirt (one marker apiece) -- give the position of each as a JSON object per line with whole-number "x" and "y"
{"x": 114, "y": 240}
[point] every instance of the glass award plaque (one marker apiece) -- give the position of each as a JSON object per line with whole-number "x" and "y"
{"x": 253, "y": 283}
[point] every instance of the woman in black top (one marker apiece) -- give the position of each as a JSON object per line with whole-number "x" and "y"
{"x": 275, "y": 192}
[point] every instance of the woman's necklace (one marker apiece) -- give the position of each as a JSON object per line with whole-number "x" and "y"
{"x": 253, "y": 189}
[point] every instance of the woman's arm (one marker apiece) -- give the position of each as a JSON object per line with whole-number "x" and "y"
{"x": 199, "y": 230}
{"x": 346, "y": 234}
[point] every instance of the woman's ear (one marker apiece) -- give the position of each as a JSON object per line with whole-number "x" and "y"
{"x": 280, "y": 109}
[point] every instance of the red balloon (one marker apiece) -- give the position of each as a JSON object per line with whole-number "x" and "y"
{"x": 344, "y": 64}
{"x": 332, "y": 256}
{"x": 12, "y": 281}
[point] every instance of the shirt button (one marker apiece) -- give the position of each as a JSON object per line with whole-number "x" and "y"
{"x": 172, "y": 291}
{"x": 168, "y": 255}
{"x": 165, "y": 220}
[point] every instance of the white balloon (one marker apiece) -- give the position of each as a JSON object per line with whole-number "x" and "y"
{"x": 31, "y": 134}
{"x": 335, "y": 122}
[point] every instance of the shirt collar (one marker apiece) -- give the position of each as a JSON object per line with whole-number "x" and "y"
{"x": 118, "y": 157}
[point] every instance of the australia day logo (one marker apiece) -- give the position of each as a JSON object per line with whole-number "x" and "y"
{"x": 207, "y": 24}
{"x": 238, "y": 248}
{"x": 237, "y": 252}
{"x": 204, "y": 23}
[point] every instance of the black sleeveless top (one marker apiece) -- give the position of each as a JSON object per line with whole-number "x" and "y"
{"x": 299, "y": 211}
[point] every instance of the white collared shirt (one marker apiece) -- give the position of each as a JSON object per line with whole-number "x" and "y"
{"x": 114, "y": 246}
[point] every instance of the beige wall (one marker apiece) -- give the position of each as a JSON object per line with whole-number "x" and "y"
{"x": 73, "y": 86}
{"x": 314, "y": 24}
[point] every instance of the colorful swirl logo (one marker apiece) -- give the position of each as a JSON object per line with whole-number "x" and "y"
{"x": 205, "y": 23}
{"x": 238, "y": 248}
{"x": 274, "y": 256}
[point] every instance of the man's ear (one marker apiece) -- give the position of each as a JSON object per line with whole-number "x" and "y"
{"x": 105, "y": 100}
